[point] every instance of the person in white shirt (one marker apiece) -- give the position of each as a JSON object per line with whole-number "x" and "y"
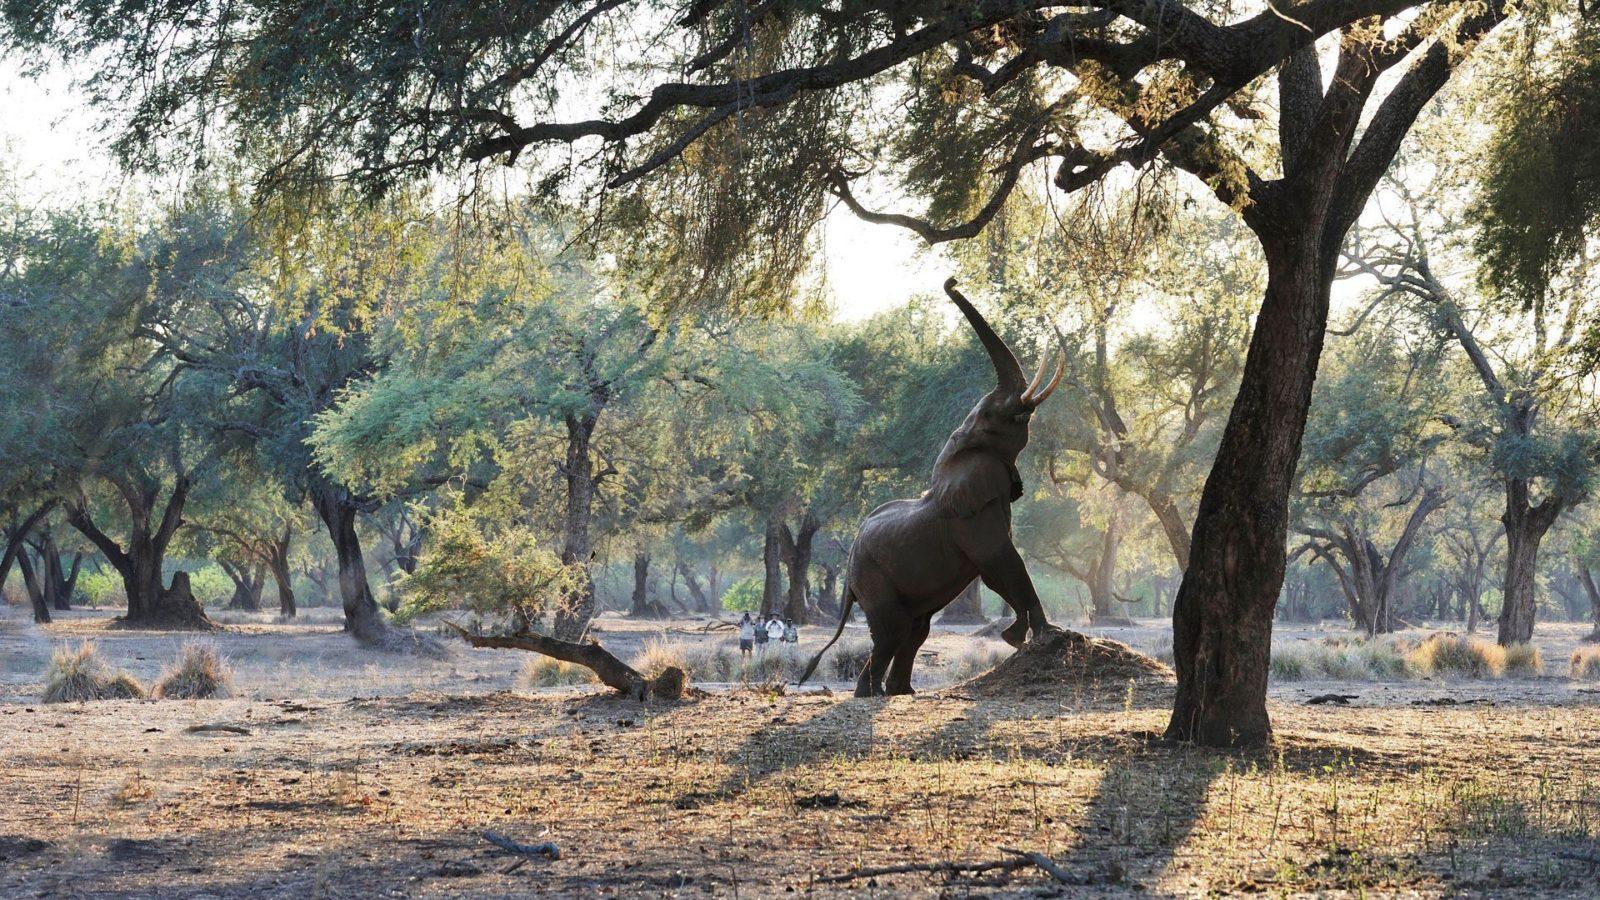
{"x": 747, "y": 636}
{"x": 775, "y": 630}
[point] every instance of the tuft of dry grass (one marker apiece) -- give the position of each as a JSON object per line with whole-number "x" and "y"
{"x": 1524, "y": 661}
{"x": 199, "y": 672}
{"x": 80, "y": 675}
{"x": 658, "y": 656}
{"x": 1342, "y": 659}
{"x": 540, "y": 671}
{"x": 1586, "y": 662}
{"x": 1452, "y": 655}
{"x": 977, "y": 659}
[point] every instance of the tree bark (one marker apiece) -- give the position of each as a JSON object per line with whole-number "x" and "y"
{"x": 338, "y": 511}
{"x": 702, "y": 602}
{"x": 1526, "y": 525}
{"x": 577, "y": 549}
{"x": 30, "y": 583}
{"x": 797, "y": 548}
{"x": 640, "y": 606}
{"x": 1593, "y": 593}
{"x": 772, "y": 567}
{"x": 1222, "y": 617}
{"x": 967, "y": 608}
{"x": 278, "y": 565}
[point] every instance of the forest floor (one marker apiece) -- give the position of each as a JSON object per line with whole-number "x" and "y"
{"x": 350, "y": 773}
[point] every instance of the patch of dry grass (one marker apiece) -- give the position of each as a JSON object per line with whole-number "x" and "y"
{"x": 81, "y": 675}
{"x": 1586, "y": 663}
{"x": 540, "y": 671}
{"x": 199, "y": 672}
{"x": 1456, "y": 656}
{"x": 1524, "y": 661}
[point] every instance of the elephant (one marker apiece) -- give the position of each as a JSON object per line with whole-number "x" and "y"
{"x": 911, "y": 558}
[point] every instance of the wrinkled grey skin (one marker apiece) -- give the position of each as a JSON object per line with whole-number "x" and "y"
{"x": 913, "y": 557}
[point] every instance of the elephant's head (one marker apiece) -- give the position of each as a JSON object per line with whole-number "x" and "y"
{"x": 978, "y": 464}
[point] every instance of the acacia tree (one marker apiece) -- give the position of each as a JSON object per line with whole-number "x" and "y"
{"x": 984, "y": 90}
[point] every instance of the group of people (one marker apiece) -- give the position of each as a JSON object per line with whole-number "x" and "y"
{"x": 755, "y": 635}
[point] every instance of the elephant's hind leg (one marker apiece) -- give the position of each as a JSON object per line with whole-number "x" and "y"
{"x": 905, "y": 656}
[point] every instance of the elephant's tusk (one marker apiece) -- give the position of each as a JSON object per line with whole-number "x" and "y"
{"x": 1061, "y": 369}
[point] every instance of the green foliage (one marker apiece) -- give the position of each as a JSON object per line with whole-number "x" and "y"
{"x": 743, "y": 596}
{"x": 477, "y": 561}
{"x": 1540, "y": 194}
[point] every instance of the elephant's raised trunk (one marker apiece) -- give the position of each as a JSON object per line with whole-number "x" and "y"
{"x": 1005, "y": 362}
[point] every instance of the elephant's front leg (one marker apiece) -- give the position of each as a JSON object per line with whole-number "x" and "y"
{"x": 1006, "y": 575}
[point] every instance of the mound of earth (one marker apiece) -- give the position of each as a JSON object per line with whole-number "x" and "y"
{"x": 1063, "y": 660}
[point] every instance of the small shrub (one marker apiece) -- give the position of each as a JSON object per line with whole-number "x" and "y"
{"x": 782, "y": 662}
{"x": 540, "y": 671}
{"x": 1524, "y": 661}
{"x": 80, "y": 674}
{"x": 1586, "y": 663}
{"x": 1451, "y": 655}
{"x": 1161, "y": 649}
{"x": 198, "y": 672}
{"x": 1341, "y": 659}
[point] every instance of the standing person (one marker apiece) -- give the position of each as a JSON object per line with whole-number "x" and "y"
{"x": 791, "y": 634}
{"x": 747, "y": 636}
{"x": 775, "y": 630}
{"x": 760, "y": 629}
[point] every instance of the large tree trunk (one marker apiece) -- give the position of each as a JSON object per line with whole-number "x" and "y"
{"x": 278, "y": 565}
{"x": 967, "y": 608}
{"x": 702, "y": 602}
{"x": 1526, "y": 526}
{"x": 1593, "y": 593}
{"x": 338, "y": 511}
{"x": 640, "y": 606}
{"x": 247, "y": 581}
{"x": 30, "y": 583}
{"x": 772, "y": 568}
{"x": 151, "y": 604}
{"x": 1173, "y": 526}
{"x": 1222, "y": 618}
{"x": 577, "y": 549}
{"x": 1102, "y": 578}
{"x": 796, "y": 548}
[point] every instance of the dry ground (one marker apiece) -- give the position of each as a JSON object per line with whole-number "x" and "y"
{"x": 367, "y": 775}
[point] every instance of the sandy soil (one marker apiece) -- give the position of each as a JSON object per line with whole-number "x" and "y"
{"x": 361, "y": 774}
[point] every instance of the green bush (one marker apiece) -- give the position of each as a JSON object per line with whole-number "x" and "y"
{"x": 211, "y": 585}
{"x": 745, "y": 596}
{"x": 102, "y": 588}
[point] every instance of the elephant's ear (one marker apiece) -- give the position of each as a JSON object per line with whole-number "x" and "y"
{"x": 968, "y": 481}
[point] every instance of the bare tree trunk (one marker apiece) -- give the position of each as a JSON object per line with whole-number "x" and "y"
{"x": 577, "y": 550}
{"x": 1102, "y": 586}
{"x": 30, "y": 583}
{"x": 278, "y": 564}
{"x": 641, "y": 606}
{"x": 612, "y": 672}
{"x": 796, "y": 547}
{"x": 1526, "y": 526}
{"x": 772, "y": 566}
{"x": 702, "y": 602}
{"x": 1593, "y": 593}
{"x": 338, "y": 511}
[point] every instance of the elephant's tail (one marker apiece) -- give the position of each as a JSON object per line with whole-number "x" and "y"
{"x": 844, "y": 616}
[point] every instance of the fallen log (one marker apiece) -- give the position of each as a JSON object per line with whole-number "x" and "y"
{"x": 612, "y": 672}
